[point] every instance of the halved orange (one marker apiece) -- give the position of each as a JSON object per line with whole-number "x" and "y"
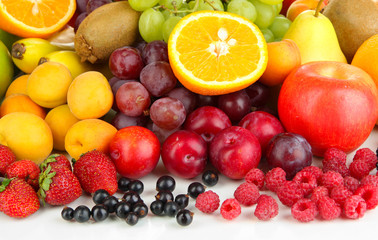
{"x": 35, "y": 18}
{"x": 214, "y": 52}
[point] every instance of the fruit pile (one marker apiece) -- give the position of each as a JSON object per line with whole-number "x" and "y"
{"x": 248, "y": 90}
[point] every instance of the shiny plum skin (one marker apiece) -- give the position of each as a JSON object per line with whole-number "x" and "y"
{"x": 234, "y": 151}
{"x": 184, "y": 154}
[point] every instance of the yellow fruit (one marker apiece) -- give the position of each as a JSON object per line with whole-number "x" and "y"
{"x": 48, "y": 84}
{"x": 27, "y": 52}
{"x": 27, "y": 135}
{"x": 213, "y": 52}
{"x": 90, "y": 95}
{"x": 87, "y": 135}
{"x": 21, "y": 103}
{"x": 60, "y": 119}
{"x": 69, "y": 59}
{"x": 18, "y": 86}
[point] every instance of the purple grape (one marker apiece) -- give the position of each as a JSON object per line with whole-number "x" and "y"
{"x": 120, "y": 120}
{"x": 162, "y": 133}
{"x": 236, "y": 105}
{"x": 116, "y": 85}
{"x": 155, "y": 51}
{"x": 205, "y": 100}
{"x": 126, "y": 63}
{"x": 168, "y": 113}
{"x": 289, "y": 151}
{"x": 81, "y": 5}
{"x": 94, "y": 4}
{"x": 188, "y": 98}
{"x": 79, "y": 19}
{"x": 158, "y": 78}
{"x": 132, "y": 99}
{"x": 258, "y": 94}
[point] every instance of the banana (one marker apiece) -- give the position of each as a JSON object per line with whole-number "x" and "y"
{"x": 26, "y": 52}
{"x": 7, "y": 69}
{"x": 70, "y": 59}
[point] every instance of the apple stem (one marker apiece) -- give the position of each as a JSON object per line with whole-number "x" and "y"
{"x": 317, "y": 10}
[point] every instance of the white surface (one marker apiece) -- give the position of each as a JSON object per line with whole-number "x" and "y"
{"x": 48, "y": 224}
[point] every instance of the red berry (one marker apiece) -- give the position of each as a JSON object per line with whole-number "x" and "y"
{"x": 289, "y": 193}
{"x": 318, "y": 172}
{"x": 318, "y": 193}
{"x": 354, "y": 207}
{"x": 304, "y": 210}
{"x": 266, "y": 208}
{"x": 56, "y": 160}
{"x": 340, "y": 194}
{"x": 247, "y": 194}
{"x": 335, "y": 154}
{"x": 307, "y": 180}
{"x": 351, "y": 183}
{"x": 364, "y": 161}
{"x": 207, "y": 202}
{"x": 335, "y": 160}
{"x": 275, "y": 178}
{"x": 230, "y": 209}
{"x": 6, "y": 158}
{"x": 255, "y": 176}
{"x": 328, "y": 208}
{"x": 24, "y": 169}
{"x": 331, "y": 179}
{"x": 370, "y": 180}
{"x": 370, "y": 194}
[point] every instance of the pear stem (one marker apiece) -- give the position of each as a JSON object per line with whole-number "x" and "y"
{"x": 317, "y": 10}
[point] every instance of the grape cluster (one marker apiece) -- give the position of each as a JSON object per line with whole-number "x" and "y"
{"x": 159, "y": 17}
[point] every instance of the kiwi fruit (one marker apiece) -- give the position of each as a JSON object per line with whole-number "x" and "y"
{"x": 107, "y": 28}
{"x": 354, "y": 22}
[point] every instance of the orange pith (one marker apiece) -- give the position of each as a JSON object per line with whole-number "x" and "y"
{"x": 213, "y": 53}
{"x": 35, "y": 18}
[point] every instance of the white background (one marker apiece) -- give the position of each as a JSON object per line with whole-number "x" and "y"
{"x": 48, "y": 224}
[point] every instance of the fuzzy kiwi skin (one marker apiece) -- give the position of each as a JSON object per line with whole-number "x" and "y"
{"x": 107, "y": 28}
{"x": 354, "y": 22}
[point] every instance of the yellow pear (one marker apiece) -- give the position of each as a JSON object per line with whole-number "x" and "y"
{"x": 315, "y": 37}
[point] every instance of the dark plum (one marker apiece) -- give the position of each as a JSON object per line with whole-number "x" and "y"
{"x": 258, "y": 94}
{"x": 236, "y": 105}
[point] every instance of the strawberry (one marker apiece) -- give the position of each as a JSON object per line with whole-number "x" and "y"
{"x": 17, "y": 198}
{"x": 58, "y": 186}
{"x": 95, "y": 170}
{"x": 24, "y": 169}
{"x": 55, "y": 160}
{"x": 6, "y": 157}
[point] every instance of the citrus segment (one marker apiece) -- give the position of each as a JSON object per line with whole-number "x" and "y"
{"x": 35, "y": 18}
{"x": 213, "y": 53}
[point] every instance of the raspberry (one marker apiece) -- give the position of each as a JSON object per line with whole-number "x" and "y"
{"x": 364, "y": 161}
{"x": 370, "y": 180}
{"x": 328, "y": 208}
{"x": 354, "y": 207}
{"x": 370, "y": 194}
{"x": 314, "y": 170}
{"x": 340, "y": 194}
{"x": 337, "y": 165}
{"x": 304, "y": 210}
{"x": 230, "y": 209}
{"x": 307, "y": 181}
{"x": 207, "y": 202}
{"x": 331, "y": 179}
{"x": 247, "y": 194}
{"x": 318, "y": 193}
{"x": 336, "y": 155}
{"x": 289, "y": 192}
{"x": 367, "y": 155}
{"x": 255, "y": 176}
{"x": 266, "y": 208}
{"x": 351, "y": 183}
{"x": 275, "y": 178}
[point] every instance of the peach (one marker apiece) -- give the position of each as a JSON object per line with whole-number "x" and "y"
{"x": 299, "y": 6}
{"x": 283, "y": 57}
{"x": 89, "y": 134}
{"x": 27, "y": 135}
{"x": 60, "y": 119}
{"x": 21, "y": 103}
{"x": 18, "y": 86}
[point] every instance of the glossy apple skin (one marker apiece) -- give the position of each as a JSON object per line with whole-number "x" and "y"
{"x": 234, "y": 151}
{"x": 135, "y": 151}
{"x": 184, "y": 154}
{"x": 331, "y": 104}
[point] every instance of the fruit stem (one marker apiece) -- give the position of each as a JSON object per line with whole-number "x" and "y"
{"x": 211, "y": 5}
{"x": 317, "y": 10}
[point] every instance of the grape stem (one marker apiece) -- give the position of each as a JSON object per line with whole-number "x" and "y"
{"x": 194, "y": 9}
{"x": 317, "y": 10}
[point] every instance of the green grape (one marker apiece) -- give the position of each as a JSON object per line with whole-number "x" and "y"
{"x": 268, "y": 35}
{"x": 242, "y": 8}
{"x": 191, "y": 4}
{"x": 166, "y": 13}
{"x": 185, "y": 10}
{"x": 150, "y": 24}
{"x": 141, "y": 5}
{"x": 214, "y": 3}
{"x": 265, "y": 14}
{"x": 272, "y": 2}
{"x": 277, "y": 8}
{"x": 171, "y": 4}
{"x": 280, "y": 26}
{"x": 168, "y": 26}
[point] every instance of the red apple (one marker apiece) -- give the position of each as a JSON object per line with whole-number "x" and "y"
{"x": 331, "y": 104}
{"x": 135, "y": 151}
{"x": 285, "y": 5}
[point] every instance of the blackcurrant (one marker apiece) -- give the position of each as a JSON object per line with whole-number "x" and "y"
{"x": 123, "y": 184}
{"x": 195, "y": 189}
{"x": 99, "y": 213}
{"x": 122, "y": 209}
{"x": 210, "y": 178}
{"x": 111, "y": 202}
{"x": 141, "y": 209}
{"x": 164, "y": 196}
{"x": 82, "y": 214}
{"x": 171, "y": 208}
{"x": 184, "y": 217}
{"x": 182, "y": 200}
{"x": 132, "y": 218}
{"x": 67, "y": 213}
{"x": 99, "y": 196}
{"x": 165, "y": 182}
{"x": 131, "y": 197}
{"x": 136, "y": 186}
{"x": 157, "y": 207}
